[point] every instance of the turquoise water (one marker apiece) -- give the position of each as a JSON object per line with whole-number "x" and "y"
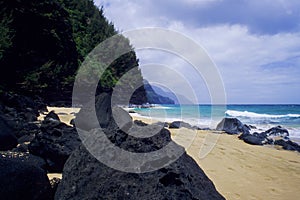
{"x": 260, "y": 116}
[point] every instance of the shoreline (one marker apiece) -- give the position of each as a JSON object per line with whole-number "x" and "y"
{"x": 238, "y": 170}
{"x": 242, "y": 171}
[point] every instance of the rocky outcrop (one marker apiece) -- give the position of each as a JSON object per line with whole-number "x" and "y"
{"x": 288, "y": 145}
{"x": 23, "y": 181}
{"x": 84, "y": 177}
{"x": 55, "y": 143}
{"x": 255, "y": 139}
{"x": 20, "y": 114}
{"x": 273, "y": 136}
{"x": 52, "y": 115}
{"x": 180, "y": 124}
{"x": 233, "y": 126}
{"x": 8, "y": 139}
{"x": 266, "y": 137}
{"x": 276, "y": 131}
{"x": 22, "y": 157}
{"x": 85, "y": 121}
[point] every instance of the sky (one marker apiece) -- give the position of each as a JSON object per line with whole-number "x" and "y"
{"x": 254, "y": 44}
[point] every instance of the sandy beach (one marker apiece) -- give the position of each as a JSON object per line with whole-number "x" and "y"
{"x": 238, "y": 170}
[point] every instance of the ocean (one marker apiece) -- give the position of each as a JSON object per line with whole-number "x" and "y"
{"x": 262, "y": 117}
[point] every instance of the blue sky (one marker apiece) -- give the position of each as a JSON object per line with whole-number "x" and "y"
{"x": 255, "y": 44}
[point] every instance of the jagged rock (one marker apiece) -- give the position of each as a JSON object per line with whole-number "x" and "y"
{"x": 20, "y": 112}
{"x": 253, "y": 139}
{"x": 21, "y": 180}
{"x": 288, "y": 145}
{"x": 84, "y": 177}
{"x": 23, "y": 157}
{"x": 54, "y": 182}
{"x": 120, "y": 119}
{"x": 232, "y": 126}
{"x": 140, "y": 123}
{"x": 72, "y": 122}
{"x": 22, "y": 148}
{"x": 180, "y": 124}
{"x": 277, "y": 131}
{"x": 131, "y": 111}
{"x": 271, "y": 136}
{"x": 86, "y": 121}
{"x": 8, "y": 139}
{"x": 52, "y": 115}
{"x": 251, "y": 126}
{"x": 55, "y": 143}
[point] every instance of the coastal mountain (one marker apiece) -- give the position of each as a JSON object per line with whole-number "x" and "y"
{"x": 176, "y": 98}
{"x": 155, "y": 97}
{"x": 161, "y": 95}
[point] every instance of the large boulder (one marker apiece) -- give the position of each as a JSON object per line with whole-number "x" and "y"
{"x": 180, "y": 124}
{"x": 253, "y": 139}
{"x": 52, "y": 115}
{"x": 86, "y": 121}
{"x": 22, "y": 157}
{"x": 55, "y": 143}
{"x": 7, "y": 138}
{"x": 288, "y": 145}
{"x": 23, "y": 181}
{"x": 233, "y": 126}
{"x": 84, "y": 177}
{"x": 120, "y": 119}
{"x": 20, "y": 113}
{"x": 277, "y": 131}
{"x": 270, "y": 136}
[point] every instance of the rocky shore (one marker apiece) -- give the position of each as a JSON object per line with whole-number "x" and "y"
{"x": 34, "y": 146}
{"x": 31, "y": 149}
{"x": 238, "y": 169}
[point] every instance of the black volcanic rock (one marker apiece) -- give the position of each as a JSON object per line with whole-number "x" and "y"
{"x": 253, "y": 139}
{"x": 179, "y": 124}
{"x": 275, "y": 135}
{"x": 23, "y": 181}
{"x": 84, "y": 177}
{"x": 55, "y": 143}
{"x": 52, "y": 115}
{"x": 232, "y": 126}
{"x": 20, "y": 113}
{"x": 277, "y": 131}
{"x": 7, "y": 138}
{"x": 288, "y": 145}
{"x": 23, "y": 157}
{"x": 84, "y": 119}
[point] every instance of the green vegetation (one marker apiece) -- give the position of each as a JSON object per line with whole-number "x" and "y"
{"x": 43, "y": 42}
{"x": 5, "y": 33}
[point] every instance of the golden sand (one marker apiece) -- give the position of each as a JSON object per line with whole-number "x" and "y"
{"x": 240, "y": 170}
{"x": 65, "y": 114}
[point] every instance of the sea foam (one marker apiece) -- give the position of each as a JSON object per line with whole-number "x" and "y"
{"x": 235, "y": 113}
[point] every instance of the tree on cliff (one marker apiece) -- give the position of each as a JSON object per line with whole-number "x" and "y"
{"x": 43, "y": 42}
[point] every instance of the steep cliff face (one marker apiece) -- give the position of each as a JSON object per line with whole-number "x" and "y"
{"x": 155, "y": 98}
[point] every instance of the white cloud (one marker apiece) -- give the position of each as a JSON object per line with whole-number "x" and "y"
{"x": 256, "y": 68}
{"x": 243, "y": 58}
